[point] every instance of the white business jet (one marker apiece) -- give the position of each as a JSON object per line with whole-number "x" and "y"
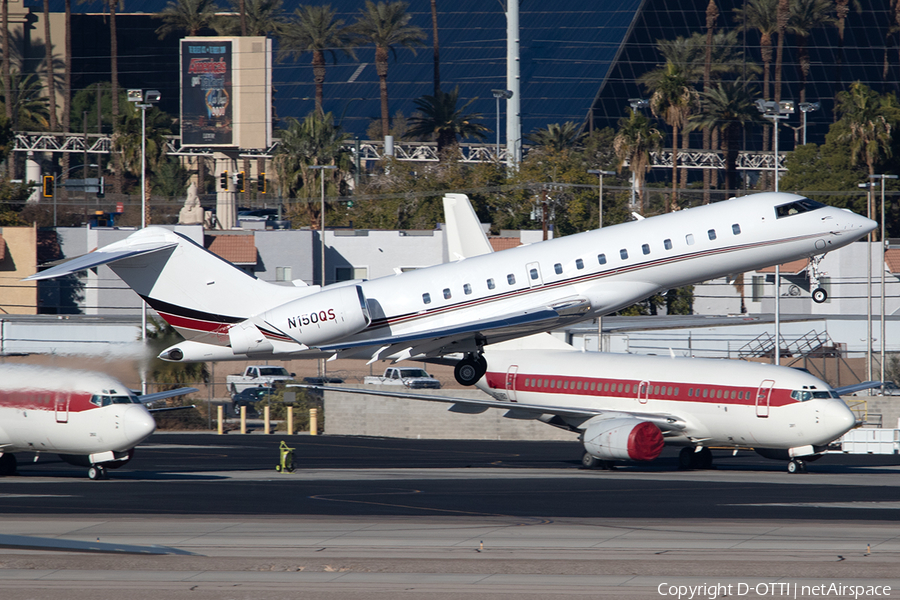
{"x": 89, "y": 419}
{"x": 463, "y": 306}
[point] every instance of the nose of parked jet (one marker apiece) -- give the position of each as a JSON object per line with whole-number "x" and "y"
{"x": 138, "y": 424}
{"x": 838, "y": 418}
{"x": 859, "y": 224}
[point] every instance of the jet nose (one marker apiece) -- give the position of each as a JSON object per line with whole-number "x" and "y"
{"x": 138, "y": 424}
{"x": 860, "y": 224}
{"x": 839, "y": 418}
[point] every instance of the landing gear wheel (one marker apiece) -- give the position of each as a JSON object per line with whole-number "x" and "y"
{"x": 819, "y": 295}
{"x": 7, "y": 464}
{"x": 589, "y": 462}
{"x": 796, "y": 466}
{"x": 470, "y": 369}
{"x": 97, "y": 472}
{"x": 686, "y": 458}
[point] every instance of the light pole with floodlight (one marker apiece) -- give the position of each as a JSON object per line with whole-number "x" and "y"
{"x": 868, "y": 186}
{"x": 807, "y": 107}
{"x": 506, "y": 95}
{"x": 322, "y": 168}
{"x": 776, "y": 111}
{"x": 143, "y": 100}
{"x": 600, "y": 191}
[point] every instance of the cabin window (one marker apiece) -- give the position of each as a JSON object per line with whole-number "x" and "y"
{"x": 645, "y": 248}
{"x": 601, "y": 258}
{"x": 733, "y": 394}
{"x": 511, "y": 279}
{"x": 667, "y": 244}
{"x": 689, "y": 239}
{"x": 558, "y": 268}
{"x": 623, "y": 253}
{"x": 719, "y": 394}
{"x": 490, "y": 284}
{"x": 620, "y": 387}
{"x": 705, "y": 392}
{"x": 566, "y": 384}
{"x": 690, "y": 392}
{"x": 578, "y": 385}
{"x": 426, "y": 298}
{"x": 740, "y": 395}
{"x": 712, "y": 234}
{"x": 669, "y": 391}
{"x": 579, "y": 264}
{"x": 552, "y": 384}
{"x": 467, "y": 289}
{"x": 593, "y": 386}
{"x": 736, "y": 229}
{"x": 533, "y": 273}
{"x": 447, "y": 293}
{"x": 676, "y": 391}
{"x": 628, "y": 388}
{"x": 656, "y": 390}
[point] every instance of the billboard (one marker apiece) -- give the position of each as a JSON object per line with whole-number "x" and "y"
{"x": 206, "y": 92}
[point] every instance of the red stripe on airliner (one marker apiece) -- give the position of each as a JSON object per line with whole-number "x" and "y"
{"x": 46, "y": 400}
{"x": 562, "y": 385}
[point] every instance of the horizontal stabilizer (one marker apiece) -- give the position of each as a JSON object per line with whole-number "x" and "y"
{"x": 150, "y": 398}
{"x": 105, "y": 256}
{"x": 858, "y": 387}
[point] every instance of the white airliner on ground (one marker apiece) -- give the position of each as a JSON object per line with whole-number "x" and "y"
{"x": 626, "y": 407}
{"x": 88, "y": 419}
{"x": 463, "y": 306}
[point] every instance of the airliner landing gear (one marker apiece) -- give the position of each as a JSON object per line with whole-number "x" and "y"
{"x": 819, "y": 295}
{"x": 796, "y": 466}
{"x": 7, "y": 464}
{"x": 691, "y": 458}
{"x": 97, "y": 472}
{"x": 589, "y": 461}
{"x": 470, "y": 369}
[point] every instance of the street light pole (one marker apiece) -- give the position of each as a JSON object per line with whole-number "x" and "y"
{"x": 506, "y": 95}
{"x": 776, "y": 111}
{"x": 322, "y": 168}
{"x": 806, "y": 107}
{"x": 868, "y": 186}
{"x": 600, "y": 191}
{"x": 883, "y": 248}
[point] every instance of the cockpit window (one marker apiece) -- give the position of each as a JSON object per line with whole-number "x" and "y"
{"x": 101, "y": 400}
{"x": 795, "y": 208}
{"x": 804, "y": 395}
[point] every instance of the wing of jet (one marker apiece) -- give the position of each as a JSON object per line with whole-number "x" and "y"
{"x": 455, "y": 338}
{"x": 151, "y": 398}
{"x": 858, "y": 387}
{"x": 668, "y": 424}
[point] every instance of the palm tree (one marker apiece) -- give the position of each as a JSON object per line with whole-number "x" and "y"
{"x": 807, "y": 15}
{"x": 315, "y": 29}
{"x": 263, "y": 18}
{"x": 386, "y": 25}
{"x": 782, "y": 16}
{"x": 556, "y": 137}
{"x": 128, "y": 137}
{"x": 726, "y": 108}
{"x": 674, "y": 99}
{"x": 440, "y": 118}
{"x": 24, "y": 99}
{"x": 634, "y": 141}
{"x": 51, "y": 72}
{"x": 436, "y": 51}
{"x": 869, "y": 118}
{"x": 7, "y": 75}
{"x": 188, "y": 17}
{"x": 314, "y": 141}
{"x": 712, "y": 14}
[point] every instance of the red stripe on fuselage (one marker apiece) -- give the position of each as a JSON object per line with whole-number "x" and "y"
{"x": 46, "y": 400}
{"x": 627, "y": 389}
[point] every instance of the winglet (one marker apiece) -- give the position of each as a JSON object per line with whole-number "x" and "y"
{"x": 465, "y": 237}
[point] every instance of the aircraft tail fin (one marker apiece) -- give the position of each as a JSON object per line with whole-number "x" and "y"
{"x": 465, "y": 237}
{"x": 193, "y": 289}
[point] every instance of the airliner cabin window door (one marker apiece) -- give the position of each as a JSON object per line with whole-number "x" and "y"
{"x": 62, "y": 408}
{"x": 534, "y": 274}
{"x": 511, "y": 382}
{"x": 763, "y": 396}
{"x": 644, "y": 392}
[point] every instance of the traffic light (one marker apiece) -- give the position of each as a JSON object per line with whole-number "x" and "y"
{"x": 101, "y": 191}
{"x": 223, "y": 180}
{"x": 261, "y": 183}
{"x": 240, "y": 182}
{"x": 48, "y": 186}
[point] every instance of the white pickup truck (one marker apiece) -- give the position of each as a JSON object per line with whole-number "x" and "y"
{"x": 411, "y": 377}
{"x": 256, "y": 376}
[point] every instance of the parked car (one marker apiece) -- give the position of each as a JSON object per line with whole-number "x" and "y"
{"x": 257, "y": 376}
{"x": 249, "y": 397}
{"x": 411, "y": 377}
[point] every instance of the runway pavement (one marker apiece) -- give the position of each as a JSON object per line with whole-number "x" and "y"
{"x": 202, "y": 516}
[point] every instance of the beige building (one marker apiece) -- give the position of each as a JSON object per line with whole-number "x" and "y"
{"x": 18, "y": 259}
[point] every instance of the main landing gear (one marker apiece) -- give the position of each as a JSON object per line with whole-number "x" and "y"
{"x": 588, "y": 461}
{"x": 796, "y": 466}
{"x": 470, "y": 369}
{"x": 691, "y": 458}
{"x": 97, "y": 472}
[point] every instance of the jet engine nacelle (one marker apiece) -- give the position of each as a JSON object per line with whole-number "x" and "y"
{"x": 625, "y": 438}
{"x": 322, "y": 317}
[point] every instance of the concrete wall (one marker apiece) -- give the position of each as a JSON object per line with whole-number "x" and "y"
{"x": 354, "y": 414}
{"x": 292, "y": 248}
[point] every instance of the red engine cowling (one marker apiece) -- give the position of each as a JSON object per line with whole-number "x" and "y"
{"x": 322, "y": 317}
{"x": 625, "y": 438}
